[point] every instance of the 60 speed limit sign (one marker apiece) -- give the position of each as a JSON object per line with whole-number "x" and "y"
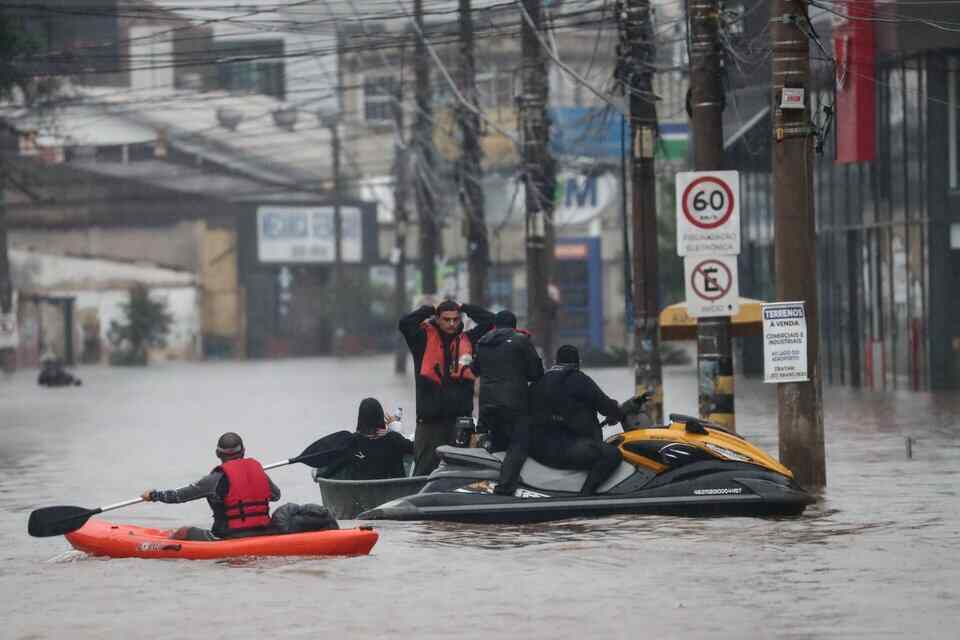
{"x": 708, "y": 213}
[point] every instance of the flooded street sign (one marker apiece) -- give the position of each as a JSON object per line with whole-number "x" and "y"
{"x": 784, "y": 342}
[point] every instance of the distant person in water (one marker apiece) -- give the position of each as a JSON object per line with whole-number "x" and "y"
{"x": 52, "y": 373}
{"x": 379, "y": 452}
{"x": 238, "y": 491}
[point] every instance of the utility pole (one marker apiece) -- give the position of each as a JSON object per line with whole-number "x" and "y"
{"x": 7, "y": 354}
{"x": 6, "y": 288}
{"x": 423, "y": 143}
{"x": 337, "y": 282}
{"x": 332, "y": 122}
{"x": 400, "y": 194}
{"x": 534, "y": 128}
{"x": 471, "y": 171}
{"x": 799, "y": 404}
{"x": 714, "y": 350}
{"x": 638, "y": 51}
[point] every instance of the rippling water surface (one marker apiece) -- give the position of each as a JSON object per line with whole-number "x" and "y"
{"x": 879, "y": 556}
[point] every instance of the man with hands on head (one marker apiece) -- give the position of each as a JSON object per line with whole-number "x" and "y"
{"x": 442, "y": 354}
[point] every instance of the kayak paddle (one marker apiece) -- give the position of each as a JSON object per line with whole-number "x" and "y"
{"x": 57, "y": 521}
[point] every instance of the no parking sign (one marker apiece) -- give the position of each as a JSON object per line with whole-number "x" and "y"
{"x": 711, "y": 286}
{"x": 708, "y": 213}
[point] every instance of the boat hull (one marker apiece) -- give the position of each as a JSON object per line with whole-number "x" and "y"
{"x": 101, "y": 538}
{"x": 731, "y": 493}
{"x": 346, "y": 499}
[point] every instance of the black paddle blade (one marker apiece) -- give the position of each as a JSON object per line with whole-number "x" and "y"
{"x": 57, "y": 521}
{"x": 326, "y": 450}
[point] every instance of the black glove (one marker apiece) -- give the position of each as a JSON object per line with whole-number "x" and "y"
{"x": 635, "y": 404}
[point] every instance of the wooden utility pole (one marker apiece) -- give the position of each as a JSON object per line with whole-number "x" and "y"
{"x": 471, "y": 171}
{"x": 534, "y": 128}
{"x": 714, "y": 350}
{"x": 425, "y": 162}
{"x": 799, "y": 404}
{"x": 400, "y": 195}
{"x": 638, "y": 49}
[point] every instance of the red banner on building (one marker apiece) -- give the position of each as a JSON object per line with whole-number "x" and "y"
{"x": 854, "y": 48}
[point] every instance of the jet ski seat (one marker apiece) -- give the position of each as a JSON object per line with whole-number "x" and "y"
{"x": 534, "y": 474}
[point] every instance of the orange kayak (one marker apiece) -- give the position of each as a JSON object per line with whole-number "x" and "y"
{"x": 102, "y": 538}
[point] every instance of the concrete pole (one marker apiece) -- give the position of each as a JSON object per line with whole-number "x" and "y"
{"x": 6, "y": 288}
{"x": 534, "y": 127}
{"x": 799, "y": 404}
{"x": 7, "y": 356}
{"x": 471, "y": 169}
{"x": 338, "y": 282}
{"x": 400, "y": 191}
{"x": 714, "y": 349}
{"x": 423, "y": 142}
{"x": 639, "y": 48}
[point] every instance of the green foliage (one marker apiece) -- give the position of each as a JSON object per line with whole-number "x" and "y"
{"x": 14, "y": 44}
{"x": 146, "y": 324}
{"x": 16, "y": 47}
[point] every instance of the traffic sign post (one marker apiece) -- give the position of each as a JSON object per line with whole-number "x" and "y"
{"x": 708, "y": 213}
{"x": 708, "y": 238}
{"x": 711, "y": 285}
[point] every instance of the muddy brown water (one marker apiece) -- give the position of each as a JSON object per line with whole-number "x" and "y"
{"x": 878, "y": 556}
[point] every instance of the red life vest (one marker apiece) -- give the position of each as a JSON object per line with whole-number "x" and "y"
{"x": 247, "y": 503}
{"x": 459, "y": 358}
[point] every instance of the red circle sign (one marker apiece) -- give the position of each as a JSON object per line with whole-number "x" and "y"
{"x": 706, "y": 293}
{"x": 707, "y": 213}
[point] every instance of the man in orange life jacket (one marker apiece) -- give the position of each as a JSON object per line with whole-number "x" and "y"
{"x": 442, "y": 355}
{"x": 238, "y": 490}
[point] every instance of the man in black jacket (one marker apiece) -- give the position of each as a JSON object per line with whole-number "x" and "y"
{"x": 442, "y": 355}
{"x": 506, "y": 362}
{"x": 566, "y": 433}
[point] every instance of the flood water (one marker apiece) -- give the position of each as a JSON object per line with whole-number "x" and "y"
{"x": 878, "y": 557}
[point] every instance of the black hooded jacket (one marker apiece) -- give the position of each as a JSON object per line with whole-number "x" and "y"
{"x": 452, "y": 398}
{"x": 565, "y": 397}
{"x": 505, "y": 361}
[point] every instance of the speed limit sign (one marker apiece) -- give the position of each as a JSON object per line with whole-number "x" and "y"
{"x": 708, "y": 213}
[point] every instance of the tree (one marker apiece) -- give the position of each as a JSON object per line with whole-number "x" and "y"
{"x": 147, "y": 323}
{"x": 15, "y": 45}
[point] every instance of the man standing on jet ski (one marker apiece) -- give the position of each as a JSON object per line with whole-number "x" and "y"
{"x": 566, "y": 433}
{"x": 442, "y": 355}
{"x": 506, "y": 362}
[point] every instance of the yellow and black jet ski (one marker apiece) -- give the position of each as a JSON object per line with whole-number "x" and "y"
{"x": 690, "y": 467}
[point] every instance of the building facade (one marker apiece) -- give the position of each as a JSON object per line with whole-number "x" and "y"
{"x": 885, "y": 192}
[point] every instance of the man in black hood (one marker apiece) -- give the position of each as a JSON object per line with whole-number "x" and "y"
{"x": 505, "y": 363}
{"x": 566, "y": 433}
{"x": 379, "y": 452}
{"x": 442, "y": 354}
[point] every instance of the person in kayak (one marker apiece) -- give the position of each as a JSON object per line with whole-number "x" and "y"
{"x": 238, "y": 490}
{"x": 378, "y": 452}
{"x": 506, "y": 363}
{"x": 566, "y": 433}
{"x": 442, "y": 353}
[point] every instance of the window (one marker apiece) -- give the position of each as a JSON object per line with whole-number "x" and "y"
{"x": 378, "y": 96}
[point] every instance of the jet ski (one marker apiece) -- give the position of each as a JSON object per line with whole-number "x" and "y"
{"x": 690, "y": 467}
